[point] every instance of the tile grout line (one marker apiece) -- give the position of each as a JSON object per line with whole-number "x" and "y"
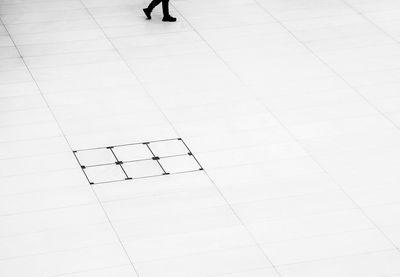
{"x": 55, "y": 251}
{"x": 87, "y": 271}
{"x": 287, "y": 129}
{"x": 69, "y": 145}
{"x": 305, "y": 149}
{"x": 257, "y": 244}
{"x": 319, "y": 165}
{"x": 148, "y": 94}
{"x": 154, "y": 101}
{"x": 177, "y": 133}
{"x": 126, "y": 144}
{"x": 370, "y": 21}
{"x": 328, "y": 66}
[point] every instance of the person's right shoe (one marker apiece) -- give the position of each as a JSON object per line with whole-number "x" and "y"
{"x": 169, "y": 18}
{"x": 147, "y": 12}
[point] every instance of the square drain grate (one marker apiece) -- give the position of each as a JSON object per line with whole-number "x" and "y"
{"x": 137, "y": 160}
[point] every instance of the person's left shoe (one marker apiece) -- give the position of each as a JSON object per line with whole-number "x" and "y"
{"x": 169, "y": 18}
{"x": 147, "y": 12}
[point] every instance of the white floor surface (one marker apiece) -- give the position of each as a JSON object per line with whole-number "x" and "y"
{"x": 292, "y": 107}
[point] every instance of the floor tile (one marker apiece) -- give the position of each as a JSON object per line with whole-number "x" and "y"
{"x": 140, "y": 169}
{"x": 330, "y": 246}
{"x": 71, "y": 261}
{"x": 95, "y": 157}
{"x": 212, "y": 263}
{"x": 133, "y": 152}
{"x": 104, "y": 173}
{"x": 169, "y": 148}
{"x": 180, "y": 164}
{"x": 368, "y": 264}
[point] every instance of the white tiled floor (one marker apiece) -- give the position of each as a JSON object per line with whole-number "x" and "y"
{"x": 292, "y": 107}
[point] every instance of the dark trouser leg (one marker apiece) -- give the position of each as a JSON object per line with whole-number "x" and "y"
{"x": 154, "y": 3}
{"x": 165, "y": 7}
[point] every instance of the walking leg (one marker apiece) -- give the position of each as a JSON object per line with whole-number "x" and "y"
{"x": 147, "y": 11}
{"x": 165, "y": 7}
{"x": 167, "y": 16}
{"x": 154, "y": 4}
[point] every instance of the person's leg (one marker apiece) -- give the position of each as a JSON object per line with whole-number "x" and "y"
{"x": 165, "y": 7}
{"x": 154, "y": 4}
{"x": 150, "y": 8}
{"x": 167, "y": 16}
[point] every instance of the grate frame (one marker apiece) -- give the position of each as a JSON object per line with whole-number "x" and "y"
{"x": 157, "y": 159}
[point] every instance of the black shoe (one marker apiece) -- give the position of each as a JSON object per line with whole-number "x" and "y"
{"x": 147, "y": 12}
{"x": 169, "y": 18}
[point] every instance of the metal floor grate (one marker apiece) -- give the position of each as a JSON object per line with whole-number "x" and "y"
{"x": 136, "y": 161}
